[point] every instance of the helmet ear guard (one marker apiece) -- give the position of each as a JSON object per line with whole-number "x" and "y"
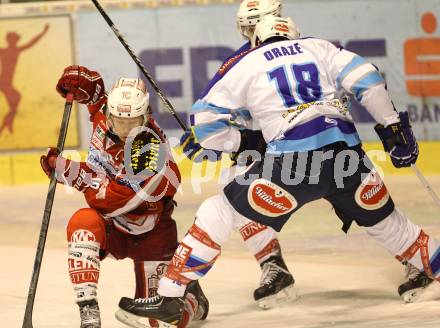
{"x": 251, "y": 12}
{"x": 271, "y": 26}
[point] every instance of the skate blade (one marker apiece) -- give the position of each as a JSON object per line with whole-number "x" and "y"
{"x": 286, "y": 294}
{"x": 424, "y": 294}
{"x": 135, "y": 321}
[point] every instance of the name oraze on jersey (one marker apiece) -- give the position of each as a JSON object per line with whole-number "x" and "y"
{"x": 292, "y": 89}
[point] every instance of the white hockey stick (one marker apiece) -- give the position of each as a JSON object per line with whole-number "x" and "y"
{"x": 426, "y": 184}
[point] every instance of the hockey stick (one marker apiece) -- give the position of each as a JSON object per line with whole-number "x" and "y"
{"x": 139, "y": 64}
{"x": 27, "y": 322}
{"x": 426, "y": 184}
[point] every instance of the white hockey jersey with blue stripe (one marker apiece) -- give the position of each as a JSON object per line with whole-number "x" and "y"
{"x": 292, "y": 90}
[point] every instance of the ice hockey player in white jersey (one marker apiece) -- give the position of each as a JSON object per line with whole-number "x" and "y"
{"x": 276, "y": 282}
{"x": 292, "y": 88}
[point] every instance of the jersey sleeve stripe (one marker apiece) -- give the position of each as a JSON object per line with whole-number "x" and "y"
{"x": 351, "y": 66}
{"x": 204, "y": 131}
{"x": 367, "y": 81}
{"x": 201, "y": 106}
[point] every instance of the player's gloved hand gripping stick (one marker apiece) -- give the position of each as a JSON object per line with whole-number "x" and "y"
{"x": 195, "y": 152}
{"x": 27, "y": 322}
{"x": 399, "y": 141}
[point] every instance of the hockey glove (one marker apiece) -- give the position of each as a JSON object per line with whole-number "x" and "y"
{"x": 195, "y": 152}
{"x": 48, "y": 161}
{"x": 86, "y": 86}
{"x": 250, "y": 140}
{"x": 74, "y": 174}
{"x": 399, "y": 141}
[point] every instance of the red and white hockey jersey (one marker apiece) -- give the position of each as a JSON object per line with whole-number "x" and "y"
{"x": 120, "y": 181}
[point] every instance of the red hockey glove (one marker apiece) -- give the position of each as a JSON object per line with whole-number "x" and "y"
{"x": 48, "y": 161}
{"x": 86, "y": 86}
{"x": 73, "y": 174}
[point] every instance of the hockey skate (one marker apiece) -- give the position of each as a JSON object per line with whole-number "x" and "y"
{"x": 419, "y": 286}
{"x": 203, "y": 303}
{"x": 276, "y": 284}
{"x": 89, "y": 312}
{"x": 167, "y": 311}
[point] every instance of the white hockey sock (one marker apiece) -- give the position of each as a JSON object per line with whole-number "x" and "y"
{"x": 408, "y": 242}
{"x": 147, "y": 275}
{"x": 84, "y": 265}
{"x": 170, "y": 288}
{"x": 200, "y": 247}
{"x": 260, "y": 240}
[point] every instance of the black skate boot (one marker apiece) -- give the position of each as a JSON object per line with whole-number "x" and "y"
{"x": 419, "y": 286}
{"x": 276, "y": 282}
{"x": 89, "y": 312}
{"x": 167, "y": 311}
{"x": 195, "y": 289}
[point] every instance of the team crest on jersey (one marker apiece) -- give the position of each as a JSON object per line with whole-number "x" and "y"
{"x": 372, "y": 193}
{"x": 270, "y": 199}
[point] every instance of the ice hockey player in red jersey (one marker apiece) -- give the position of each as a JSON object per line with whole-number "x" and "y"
{"x": 128, "y": 180}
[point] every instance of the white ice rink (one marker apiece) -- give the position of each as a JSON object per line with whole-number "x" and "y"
{"x": 343, "y": 281}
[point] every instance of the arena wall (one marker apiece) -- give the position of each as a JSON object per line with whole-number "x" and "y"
{"x": 182, "y": 43}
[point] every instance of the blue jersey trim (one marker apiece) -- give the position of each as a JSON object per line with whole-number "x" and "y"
{"x": 366, "y": 82}
{"x": 219, "y": 74}
{"x": 355, "y": 63}
{"x": 318, "y": 125}
{"x": 203, "y": 131}
{"x": 200, "y": 106}
{"x": 317, "y": 141}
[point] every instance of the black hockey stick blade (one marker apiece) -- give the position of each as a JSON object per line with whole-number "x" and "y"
{"x": 27, "y": 322}
{"x": 144, "y": 71}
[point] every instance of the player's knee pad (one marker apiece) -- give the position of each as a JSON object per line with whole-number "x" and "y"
{"x": 215, "y": 217}
{"x": 86, "y": 223}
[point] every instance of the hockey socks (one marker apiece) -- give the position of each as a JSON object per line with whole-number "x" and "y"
{"x": 85, "y": 235}
{"x": 260, "y": 240}
{"x": 408, "y": 242}
{"x": 193, "y": 258}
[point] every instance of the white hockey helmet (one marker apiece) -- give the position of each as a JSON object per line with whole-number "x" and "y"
{"x": 128, "y": 99}
{"x": 251, "y": 12}
{"x": 271, "y": 26}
